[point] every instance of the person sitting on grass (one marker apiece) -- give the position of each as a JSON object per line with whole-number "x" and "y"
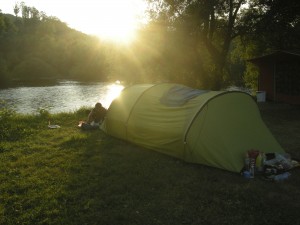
{"x": 95, "y": 117}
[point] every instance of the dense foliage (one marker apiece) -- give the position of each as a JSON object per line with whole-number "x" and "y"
{"x": 200, "y": 43}
{"x": 36, "y": 46}
{"x": 211, "y": 40}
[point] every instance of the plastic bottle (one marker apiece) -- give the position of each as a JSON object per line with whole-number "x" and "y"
{"x": 282, "y": 177}
{"x": 252, "y": 167}
{"x": 259, "y": 162}
{"x": 247, "y": 162}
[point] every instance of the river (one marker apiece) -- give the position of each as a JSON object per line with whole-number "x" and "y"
{"x": 66, "y": 96}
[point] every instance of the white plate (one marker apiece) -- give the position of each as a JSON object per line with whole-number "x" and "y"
{"x": 53, "y": 126}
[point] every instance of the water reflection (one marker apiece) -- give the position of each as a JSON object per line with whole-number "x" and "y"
{"x": 65, "y": 97}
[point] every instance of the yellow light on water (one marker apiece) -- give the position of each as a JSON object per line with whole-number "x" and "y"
{"x": 112, "y": 92}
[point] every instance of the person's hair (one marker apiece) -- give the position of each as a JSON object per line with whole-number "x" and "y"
{"x": 98, "y": 105}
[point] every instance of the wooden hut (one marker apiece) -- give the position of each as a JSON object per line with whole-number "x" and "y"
{"x": 279, "y": 76}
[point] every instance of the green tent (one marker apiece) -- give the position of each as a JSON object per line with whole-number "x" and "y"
{"x": 213, "y": 128}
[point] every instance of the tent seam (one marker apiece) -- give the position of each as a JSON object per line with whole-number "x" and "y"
{"x": 133, "y": 106}
{"x": 201, "y": 108}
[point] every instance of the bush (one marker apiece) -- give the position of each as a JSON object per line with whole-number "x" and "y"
{"x": 10, "y": 126}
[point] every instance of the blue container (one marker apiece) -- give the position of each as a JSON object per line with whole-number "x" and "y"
{"x": 247, "y": 174}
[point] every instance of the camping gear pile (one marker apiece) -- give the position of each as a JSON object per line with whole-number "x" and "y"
{"x": 271, "y": 166}
{"x": 88, "y": 126}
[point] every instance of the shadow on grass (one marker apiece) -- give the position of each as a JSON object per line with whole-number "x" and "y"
{"x": 66, "y": 176}
{"x": 113, "y": 182}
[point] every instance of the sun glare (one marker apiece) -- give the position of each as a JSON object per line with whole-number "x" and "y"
{"x": 112, "y": 92}
{"x": 115, "y": 20}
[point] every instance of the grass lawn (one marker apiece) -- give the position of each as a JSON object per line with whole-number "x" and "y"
{"x": 66, "y": 176}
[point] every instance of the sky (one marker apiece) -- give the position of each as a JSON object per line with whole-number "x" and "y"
{"x": 109, "y": 19}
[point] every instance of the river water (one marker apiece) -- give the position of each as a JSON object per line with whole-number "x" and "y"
{"x": 66, "y": 96}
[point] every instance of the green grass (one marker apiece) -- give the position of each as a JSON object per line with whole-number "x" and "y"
{"x": 66, "y": 176}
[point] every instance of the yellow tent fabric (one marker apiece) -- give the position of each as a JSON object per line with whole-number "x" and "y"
{"x": 213, "y": 128}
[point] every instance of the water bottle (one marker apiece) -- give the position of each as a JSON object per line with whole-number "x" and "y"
{"x": 282, "y": 177}
{"x": 252, "y": 168}
{"x": 247, "y": 162}
{"x": 260, "y": 162}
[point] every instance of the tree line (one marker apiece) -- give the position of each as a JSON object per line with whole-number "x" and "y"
{"x": 200, "y": 43}
{"x": 35, "y": 47}
{"x": 207, "y": 43}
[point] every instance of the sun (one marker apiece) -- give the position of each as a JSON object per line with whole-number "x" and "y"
{"x": 115, "y": 20}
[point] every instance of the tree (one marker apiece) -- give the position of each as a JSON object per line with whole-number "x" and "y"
{"x": 16, "y": 9}
{"x": 33, "y": 69}
{"x": 268, "y": 26}
{"x": 5, "y": 24}
{"x": 4, "y": 76}
{"x": 211, "y": 24}
{"x": 2, "y": 22}
{"x": 275, "y": 23}
{"x": 25, "y": 11}
{"x": 44, "y": 48}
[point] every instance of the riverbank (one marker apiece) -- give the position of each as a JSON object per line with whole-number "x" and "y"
{"x": 66, "y": 176}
